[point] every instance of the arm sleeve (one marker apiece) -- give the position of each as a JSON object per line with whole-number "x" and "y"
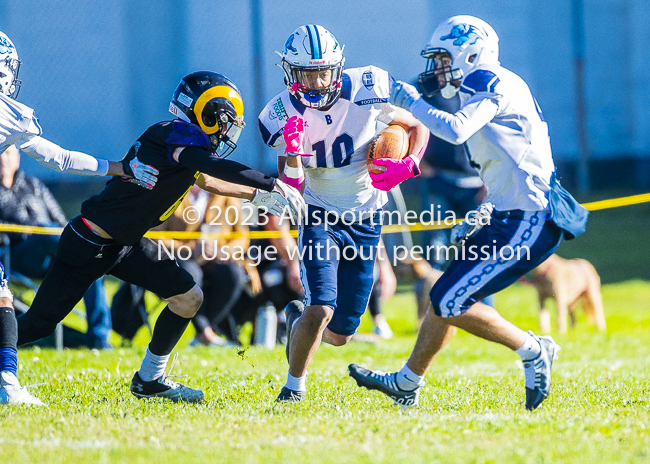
{"x": 53, "y": 156}
{"x": 458, "y": 127}
{"x": 230, "y": 171}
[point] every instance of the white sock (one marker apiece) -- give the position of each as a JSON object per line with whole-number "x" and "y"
{"x": 407, "y": 379}
{"x": 296, "y": 383}
{"x": 530, "y": 349}
{"x": 152, "y": 366}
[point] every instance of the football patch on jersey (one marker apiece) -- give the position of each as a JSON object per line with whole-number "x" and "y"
{"x": 278, "y": 111}
{"x": 481, "y": 80}
{"x": 368, "y": 80}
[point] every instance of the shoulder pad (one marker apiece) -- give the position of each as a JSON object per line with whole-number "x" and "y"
{"x": 480, "y": 80}
{"x": 186, "y": 134}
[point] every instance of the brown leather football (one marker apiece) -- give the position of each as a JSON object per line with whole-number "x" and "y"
{"x": 392, "y": 142}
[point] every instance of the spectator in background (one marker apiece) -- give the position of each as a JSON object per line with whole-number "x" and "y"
{"x": 275, "y": 280}
{"x": 27, "y": 201}
{"x": 233, "y": 290}
{"x": 280, "y": 277}
{"x": 222, "y": 276}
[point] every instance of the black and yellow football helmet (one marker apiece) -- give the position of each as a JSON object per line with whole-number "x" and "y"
{"x": 211, "y": 101}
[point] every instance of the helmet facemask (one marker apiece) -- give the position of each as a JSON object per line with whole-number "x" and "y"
{"x": 439, "y": 68}
{"x": 9, "y": 68}
{"x": 301, "y": 82}
{"x": 220, "y": 113}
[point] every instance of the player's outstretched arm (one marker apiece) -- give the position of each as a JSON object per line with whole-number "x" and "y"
{"x": 55, "y": 157}
{"x": 271, "y": 193}
{"x": 282, "y": 198}
{"x": 453, "y": 128}
{"x": 228, "y": 189}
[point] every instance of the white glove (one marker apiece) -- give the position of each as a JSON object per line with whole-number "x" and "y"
{"x": 403, "y": 95}
{"x": 473, "y": 222}
{"x": 282, "y": 197}
{"x": 143, "y": 175}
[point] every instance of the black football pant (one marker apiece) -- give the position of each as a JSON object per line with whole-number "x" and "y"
{"x": 81, "y": 258}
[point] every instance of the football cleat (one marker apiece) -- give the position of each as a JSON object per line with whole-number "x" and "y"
{"x": 12, "y": 393}
{"x": 292, "y": 312}
{"x": 163, "y": 387}
{"x": 383, "y": 330}
{"x": 289, "y": 396}
{"x": 385, "y": 383}
{"x": 538, "y": 372}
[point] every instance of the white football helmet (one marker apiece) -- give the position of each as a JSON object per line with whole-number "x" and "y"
{"x": 462, "y": 37}
{"x": 9, "y": 67}
{"x": 310, "y": 50}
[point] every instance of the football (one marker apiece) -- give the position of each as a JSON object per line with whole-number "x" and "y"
{"x": 392, "y": 142}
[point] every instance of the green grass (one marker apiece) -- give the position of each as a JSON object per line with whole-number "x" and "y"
{"x": 471, "y": 408}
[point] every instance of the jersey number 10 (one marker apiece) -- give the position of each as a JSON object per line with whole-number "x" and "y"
{"x": 342, "y": 150}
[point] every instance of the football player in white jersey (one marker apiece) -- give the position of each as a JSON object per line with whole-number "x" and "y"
{"x": 526, "y": 209}
{"x": 19, "y": 126}
{"x": 322, "y": 125}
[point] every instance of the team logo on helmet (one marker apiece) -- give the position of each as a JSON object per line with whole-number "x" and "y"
{"x": 461, "y": 33}
{"x": 336, "y": 42}
{"x": 288, "y": 46}
{"x": 6, "y": 46}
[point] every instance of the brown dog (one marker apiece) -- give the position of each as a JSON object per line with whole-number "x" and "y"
{"x": 568, "y": 282}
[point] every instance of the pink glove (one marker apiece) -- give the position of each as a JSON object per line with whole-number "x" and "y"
{"x": 294, "y": 134}
{"x": 397, "y": 171}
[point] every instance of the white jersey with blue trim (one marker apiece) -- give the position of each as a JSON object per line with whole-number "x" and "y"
{"x": 336, "y": 176}
{"x": 19, "y": 126}
{"x": 18, "y": 123}
{"x": 506, "y": 135}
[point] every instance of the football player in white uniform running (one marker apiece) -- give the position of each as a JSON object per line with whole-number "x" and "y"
{"x": 527, "y": 213}
{"x": 19, "y": 126}
{"x": 321, "y": 126}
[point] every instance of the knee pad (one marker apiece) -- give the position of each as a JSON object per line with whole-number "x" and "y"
{"x": 8, "y": 328}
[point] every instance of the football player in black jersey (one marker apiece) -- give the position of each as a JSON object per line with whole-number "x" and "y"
{"x": 107, "y": 238}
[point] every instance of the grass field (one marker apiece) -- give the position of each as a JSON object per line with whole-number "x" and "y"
{"x": 471, "y": 408}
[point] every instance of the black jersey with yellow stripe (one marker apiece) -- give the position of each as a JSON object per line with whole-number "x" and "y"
{"x": 127, "y": 211}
